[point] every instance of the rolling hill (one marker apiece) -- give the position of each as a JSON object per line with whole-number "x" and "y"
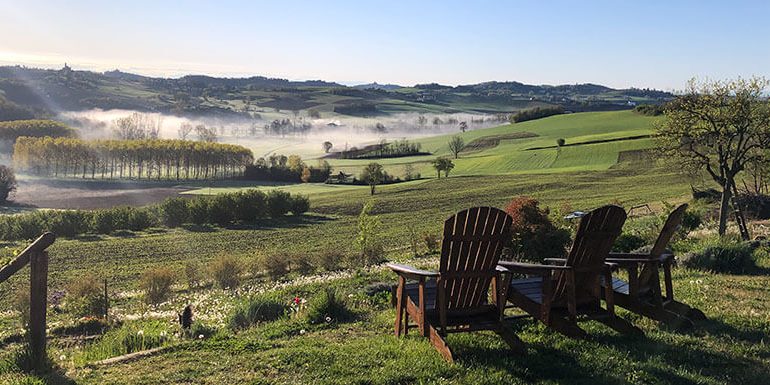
{"x": 198, "y": 95}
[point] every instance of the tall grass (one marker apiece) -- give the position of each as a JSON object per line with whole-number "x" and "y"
{"x": 129, "y": 338}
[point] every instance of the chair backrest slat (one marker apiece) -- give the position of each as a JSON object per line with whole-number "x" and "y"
{"x": 648, "y": 272}
{"x": 669, "y": 229}
{"x": 471, "y": 247}
{"x": 595, "y": 235}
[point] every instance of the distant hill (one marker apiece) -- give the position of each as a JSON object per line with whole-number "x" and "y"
{"x": 377, "y": 86}
{"x": 51, "y": 91}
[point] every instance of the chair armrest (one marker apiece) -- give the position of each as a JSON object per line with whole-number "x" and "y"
{"x": 531, "y": 268}
{"x": 627, "y": 261}
{"x": 556, "y": 260}
{"x": 628, "y": 256}
{"x": 411, "y": 272}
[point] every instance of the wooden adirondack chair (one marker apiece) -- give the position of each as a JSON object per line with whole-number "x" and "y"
{"x": 572, "y": 286}
{"x": 455, "y": 298}
{"x": 642, "y": 292}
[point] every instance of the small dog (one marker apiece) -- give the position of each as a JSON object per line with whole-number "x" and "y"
{"x": 186, "y": 318}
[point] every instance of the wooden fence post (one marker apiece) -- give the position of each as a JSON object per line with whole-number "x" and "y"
{"x": 38, "y": 291}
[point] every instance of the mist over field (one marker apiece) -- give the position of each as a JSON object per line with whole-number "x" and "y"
{"x": 343, "y": 131}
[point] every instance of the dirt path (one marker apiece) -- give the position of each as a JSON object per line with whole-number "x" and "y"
{"x": 73, "y": 194}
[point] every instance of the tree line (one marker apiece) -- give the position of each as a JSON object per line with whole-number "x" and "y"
{"x": 535, "y": 113}
{"x": 282, "y": 168}
{"x": 132, "y": 159}
{"x": 10, "y": 131}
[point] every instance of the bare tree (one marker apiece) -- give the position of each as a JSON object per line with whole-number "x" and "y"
{"x": 184, "y": 130}
{"x": 456, "y": 144}
{"x": 206, "y": 134}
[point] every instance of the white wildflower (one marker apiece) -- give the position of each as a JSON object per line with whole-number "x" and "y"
{"x": 301, "y": 332}
{"x": 62, "y": 357}
{"x": 140, "y": 333}
{"x": 200, "y": 336}
{"x": 328, "y": 319}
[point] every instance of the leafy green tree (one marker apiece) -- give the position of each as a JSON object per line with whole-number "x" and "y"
{"x": 327, "y": 145}
{"x": 443, "y": 164}
{"x": 373, "y": 175}
{"x": 456, "y": 144}
{"x": 720, "y": 127}
{"x": 463, "y": 126}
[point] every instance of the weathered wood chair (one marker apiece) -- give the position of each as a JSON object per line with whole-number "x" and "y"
{"x": 571, "y": 286}
{"x": 642, "y": 293}
{"x": 455, "y": 298}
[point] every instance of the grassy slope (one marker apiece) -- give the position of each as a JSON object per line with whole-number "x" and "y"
{"x": 422, "y": 205}
{"x": 510, "y": 156}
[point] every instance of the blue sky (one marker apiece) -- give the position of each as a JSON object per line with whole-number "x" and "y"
{"x": 657, "y": 44}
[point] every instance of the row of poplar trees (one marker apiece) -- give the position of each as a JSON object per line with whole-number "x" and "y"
{"x": 132, "y": 159}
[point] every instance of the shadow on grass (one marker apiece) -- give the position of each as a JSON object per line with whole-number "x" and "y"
{"x": 22, "y": 362}
{"x": 673, "y": 358}
{"x": 693, "y": 356}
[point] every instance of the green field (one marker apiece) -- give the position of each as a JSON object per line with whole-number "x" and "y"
{"x": 508, "y": 157}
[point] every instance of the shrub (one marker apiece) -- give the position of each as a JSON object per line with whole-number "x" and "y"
{"x": 156, "y": 284}
{"x": 723, "y": 255}
{"x": 250, "y": 205}
{"x": 561, "y": 142}
{"x": 198, "y": 210}
{"x": 85, "y": 297}
{"x": 275, "y": 265}
{"x": 327, "y": 307}
{"x": 174, "y": 211}
{"x": 192, "y": 272}
{"x": 278, "y": 203}
{"x": 7, "y": 182}
{"x": 431, "y": 242}
{"x": 102, "y": 222}
{"x": 330, "y": 260}
{"x": 260, "y": 308}
{"x": 534, "y": 236}
{"x": 221, "y": 209}
{"x": 226, "y": 271}
{"x": 755, "y": 205}
{"x": 368, "y": 240}
{"x": 301, "y": 263}
{"x": 299, "y": 204}
{"x": 625, "y": 243}
{"x": 68, "y": 223}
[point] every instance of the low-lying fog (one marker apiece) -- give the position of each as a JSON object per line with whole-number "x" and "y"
{"x": 284, "y": 132}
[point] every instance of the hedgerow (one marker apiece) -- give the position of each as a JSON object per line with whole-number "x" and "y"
{"x": 222, "y": 210}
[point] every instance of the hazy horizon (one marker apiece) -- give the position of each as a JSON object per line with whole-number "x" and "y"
{"x": 657, "y": 44}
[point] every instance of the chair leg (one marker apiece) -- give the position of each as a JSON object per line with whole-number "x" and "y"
{"x": 438, "y": 342}
{"x": 510, "y": 338}
{"x": 406, "y": 322}
{"x": 400, "y": 304}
